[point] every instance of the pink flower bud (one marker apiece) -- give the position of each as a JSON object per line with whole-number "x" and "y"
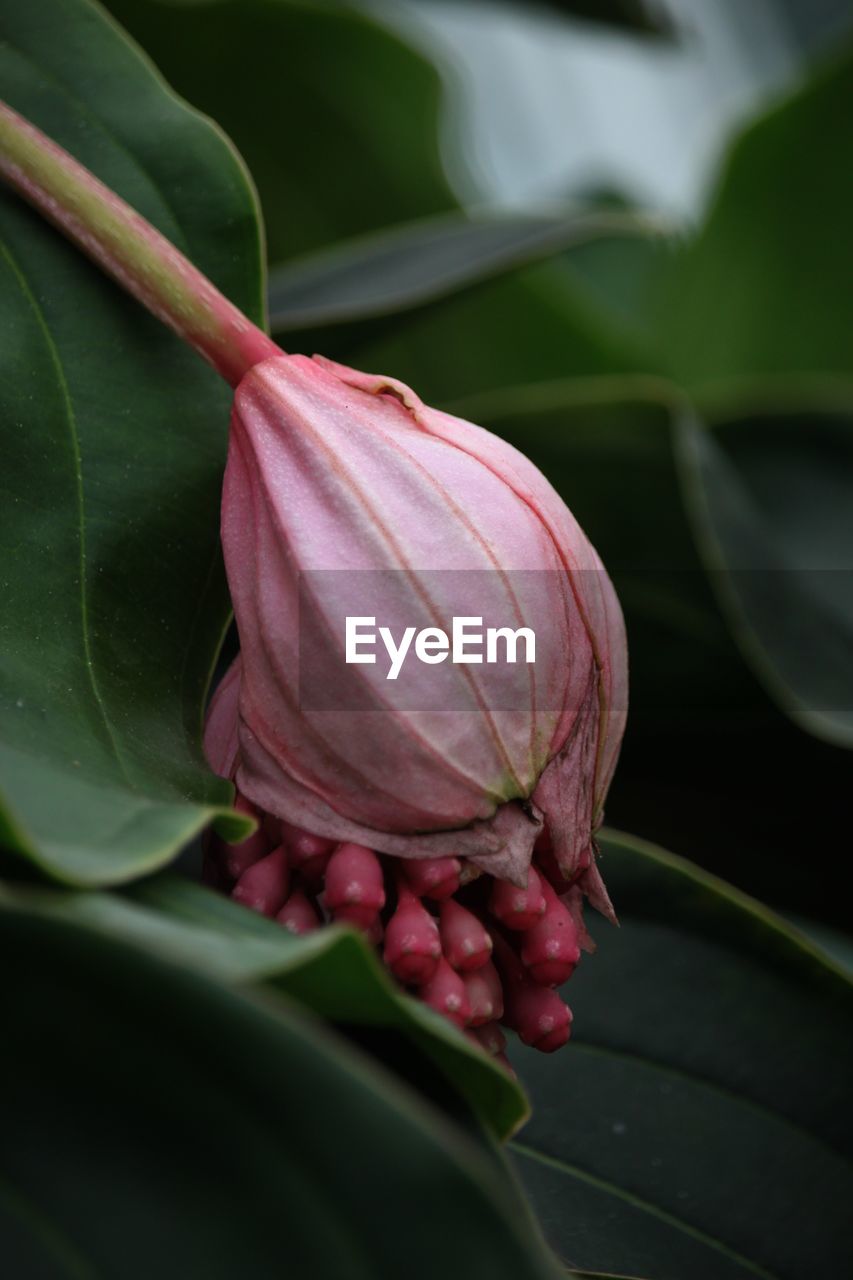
{"x": 301, "y": 846}
{"x": 536, "y": 1013}
{"x": 309, "y": 855}
{"x": 298, "y": 914}
{"x": 355, "y": 889}
{"x": 464, "y": 939}
{"x": 550, "y": 950}
{"x": 263, "y": 886}
{"x": 234, "y": 859}
{"x": 541, "y": 1019}
{"x": 412, "y": 944}
{"x": 485, "y": 994}
{"x": 333, "y": 475}
{"x": 432, "y": 877}
{"x": 445, "y": 992}
{"x": 518, "y": 908}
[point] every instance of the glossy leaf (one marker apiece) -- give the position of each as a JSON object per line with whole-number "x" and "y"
{"x": 760, "y": 290}
{"x": 698, "y": 1122}
{"x": 155, "y": 1122}
{"x": 631, "y": 15}
{"x": 404, "y": 267}
{"x": 113, "y": 445}
{"x": 331, "y": 972}
{"x": 336, "y": 117}
{"x": 771, "y": 499}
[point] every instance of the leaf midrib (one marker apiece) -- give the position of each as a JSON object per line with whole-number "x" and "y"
{"x": 645, "y": 1206}
{"x": 71, "y": 422}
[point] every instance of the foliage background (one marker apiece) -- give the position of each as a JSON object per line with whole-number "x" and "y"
{"x": 626, "y": 248}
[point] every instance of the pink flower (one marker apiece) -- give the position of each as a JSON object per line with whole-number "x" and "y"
{"x": 389, "y": 798}
{"x": 345, "y": 496}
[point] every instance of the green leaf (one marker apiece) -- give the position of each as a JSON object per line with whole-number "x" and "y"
{"x": 539, "y": 323}
{"x": 404, "y": 267}
{"x": 157, "y": 1123}
{"x": 332, "y": 972}
{"x": 771, "y": 501}
{"x": 113, "y": 446}
{"x": 698, "y": 1123}
{"x": 337, "y": 118}
{"x": 629, "y": 15}
{"x": 760, "y": 290}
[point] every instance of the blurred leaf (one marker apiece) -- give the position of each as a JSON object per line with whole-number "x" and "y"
{"x": 336, "y": 117}
{"x": 762, "y": 288}
{"x": 332, "y": 972}
{"x": 775, "y": 522}
{"x": 833, "y": 943}
{"x": 113, "y": 447}
{"x": 698, "y": 1123}
{"x": 418, "y": 262}
{"x": 156, "y": 1123}
{"x": 640, "y": 16}
{"x": 536, "y": 324}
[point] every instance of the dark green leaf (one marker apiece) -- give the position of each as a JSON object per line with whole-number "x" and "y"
{"x": 113, "y": 446}
{"x": 773, "y": 514}
{"x": 156, "y": 1123}
{"x": 336, "y": 117}
{"x": 763, "y": 287}
{"x": 333, "y": 972}
{"x": 645, "y": 18}
{"x": 698, "y": 1124}
{"x": 407, "y": 266}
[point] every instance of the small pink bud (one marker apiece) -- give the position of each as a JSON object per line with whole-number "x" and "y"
{"x": 518, "y": 908}
{"x": 355, "y": 888}
{"x": 298, "y": 914}
{"x": 445, "y": 992}
{"x": 432, "y": 877}
{"x": 464, "y": 939}
{"x": 412, "y": 944}
{"x": 308, "y": 854}
{"x": 485, "y": 994}
{"x": 302, "y": 845}
{"x": 536, "y": 1013}
{"x": 263, "y": 886}
{"x": 236, "y": 858}
{"x": 550, "y": 951}
{"x": 541, "y": 1019}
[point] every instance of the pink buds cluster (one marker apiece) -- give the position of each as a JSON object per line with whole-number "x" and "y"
{"x": 479, "y": 950}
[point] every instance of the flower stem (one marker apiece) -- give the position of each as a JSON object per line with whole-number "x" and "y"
{"x": 129, "y": 249}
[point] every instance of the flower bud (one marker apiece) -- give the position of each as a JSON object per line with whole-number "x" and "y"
{"x": 308, "y": 854}
{"x": 550, "y": 949}
{"x": 433, "y": 877}
{"x": 263, "y": 886}
{"x": 464, "y": 939}
{"x": 298, "y": 914}
{"x": 536, "y": 1013}
{"x": 412, "y": 944}
{"x": 355, "y": 890}
{"x": 518, "y": 908}
{"x": 333, "y": 474}
{"x": 485, "y": 994}
{"x": 482, "y": 784}
{"x": 445, "y": 992}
